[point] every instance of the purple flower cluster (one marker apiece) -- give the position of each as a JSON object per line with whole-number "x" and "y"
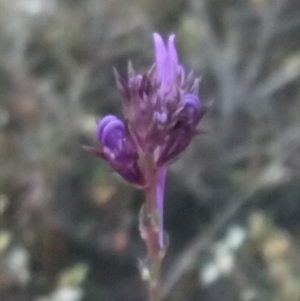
{"x": 161, "y": 111}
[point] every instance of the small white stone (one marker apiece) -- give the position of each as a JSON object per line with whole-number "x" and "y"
{"x": 210, "y": 274}
{"x": 67, "y": 294}
{"x": 35, "y": 7}
{"x": 235, "y": 237}
{"x": 225, "y": 262}
{"x": 18, "y": 264}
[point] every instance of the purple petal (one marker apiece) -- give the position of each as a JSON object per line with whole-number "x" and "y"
{"x": 113, "y": 134}
{"x": 160, "y": 203}
{"x": 103, "y": 123}
{"x": 132, "y": 175}
{"x": 160, "y": 57}
{"x": 172, "y": 56}
{"x": 191, "y": 101}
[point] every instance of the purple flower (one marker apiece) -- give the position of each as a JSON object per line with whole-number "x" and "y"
{"x": 118, "y": 149}
{"x": 161, "y": 105}
{"x": 166, "y": 59}
{"x": 161, "y": 111}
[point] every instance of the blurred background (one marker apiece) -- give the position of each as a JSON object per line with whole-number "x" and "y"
{"x": 69, "y": 228}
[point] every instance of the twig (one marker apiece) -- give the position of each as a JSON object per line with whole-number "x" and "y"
{"x": 186, "y": 260}
{"x": 268, "y": 31}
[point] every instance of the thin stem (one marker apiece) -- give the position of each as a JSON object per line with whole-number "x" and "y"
{"x": 152, "y": 243}
{"x": 151, "y": 227}
{"x": 160, "y": 191}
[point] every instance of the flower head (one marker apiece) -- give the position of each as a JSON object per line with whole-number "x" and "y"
{"x": 161, "y": 112}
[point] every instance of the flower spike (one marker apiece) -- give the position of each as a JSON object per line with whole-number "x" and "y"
{"x": 161, "y": 111}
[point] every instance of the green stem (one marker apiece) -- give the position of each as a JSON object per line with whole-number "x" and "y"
{"x": 151, "y": 228}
